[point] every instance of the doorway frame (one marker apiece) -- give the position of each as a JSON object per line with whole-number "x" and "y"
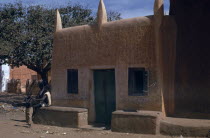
{"x": 92, "y": 112}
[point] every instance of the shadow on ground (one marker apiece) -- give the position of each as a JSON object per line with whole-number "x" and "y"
{"x": 11, "y": 98}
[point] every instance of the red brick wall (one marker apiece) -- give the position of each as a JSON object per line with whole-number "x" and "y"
{"x": 22, "y": 73}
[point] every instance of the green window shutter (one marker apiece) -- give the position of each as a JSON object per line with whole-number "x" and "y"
{"x": 72, "y": 81}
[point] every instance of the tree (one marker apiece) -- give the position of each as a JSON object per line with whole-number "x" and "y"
{"x": 113, "y": 16}
{"x": 27, "y": 33}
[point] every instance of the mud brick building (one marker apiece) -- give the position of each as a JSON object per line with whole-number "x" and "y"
{"x": 114, "y": 65}
{"x": 192, "y": 74}
{"x": 133, "y": 72}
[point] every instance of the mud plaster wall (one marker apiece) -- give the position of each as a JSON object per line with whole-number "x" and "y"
{"x": 192, "y": 83}
{"x": 168, "y": 28}
{"x": 119, "y": 45}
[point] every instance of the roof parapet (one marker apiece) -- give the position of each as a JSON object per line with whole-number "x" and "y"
{"x": 102, "y": 15}
{"x": 58, "y": 22}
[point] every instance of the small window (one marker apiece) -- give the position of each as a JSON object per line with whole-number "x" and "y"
{"x": 72, "y": 81}
{"x": 137, "y": 81}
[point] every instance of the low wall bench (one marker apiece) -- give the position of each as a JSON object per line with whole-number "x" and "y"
{"x": 141, "y": 122}
{"x": 62, "y": 116}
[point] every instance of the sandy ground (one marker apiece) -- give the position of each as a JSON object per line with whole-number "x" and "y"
{"x": 12, "y": 125}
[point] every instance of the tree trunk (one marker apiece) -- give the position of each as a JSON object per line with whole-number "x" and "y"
{"x": 44, "y": 77}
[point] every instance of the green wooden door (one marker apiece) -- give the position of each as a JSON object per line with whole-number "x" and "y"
{"x": 105, "y": 101}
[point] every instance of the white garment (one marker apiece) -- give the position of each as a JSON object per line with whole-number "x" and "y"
{"x": 49, "y": 98}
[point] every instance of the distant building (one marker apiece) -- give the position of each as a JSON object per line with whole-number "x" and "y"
{"x": 23, "y": 74}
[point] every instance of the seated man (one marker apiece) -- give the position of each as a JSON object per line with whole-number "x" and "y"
{"x": 44, "y": 97}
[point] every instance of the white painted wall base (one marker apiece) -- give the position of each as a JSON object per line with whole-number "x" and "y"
{"x": 6, "y": 70}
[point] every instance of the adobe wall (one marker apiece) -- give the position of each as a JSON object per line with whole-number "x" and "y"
{"x": 169, "y": 32}
{"x": 23, "y": 74}
{"x": 192, "y": 64}
{"x": 120, "y": 44}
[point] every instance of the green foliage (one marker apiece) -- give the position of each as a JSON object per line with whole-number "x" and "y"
{"x": 113, "y": 16}
{"x": 27, "y": 33}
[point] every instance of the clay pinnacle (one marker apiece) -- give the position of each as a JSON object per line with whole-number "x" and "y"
{"x": 58, "y": 22}
{"x": 158, "y": 7}
{"x": 102, "y": 15}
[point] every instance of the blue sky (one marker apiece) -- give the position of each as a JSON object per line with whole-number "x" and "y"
{"x": 128, "y": 8}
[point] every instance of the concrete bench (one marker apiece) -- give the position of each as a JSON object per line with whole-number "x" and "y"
{"x": 142, "y": 122}
{"x": 185, "y": 127}
{"x": 61, "y": 116}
